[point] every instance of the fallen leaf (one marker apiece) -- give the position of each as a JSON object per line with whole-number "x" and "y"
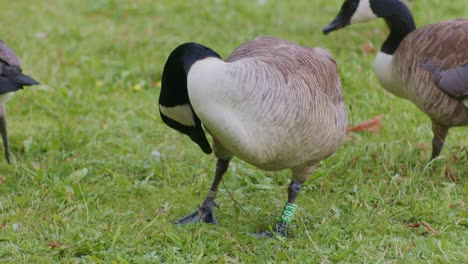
{"x": 421, "y": 145}
{"x": 424, "y": 224}
{"x": 372, "y": 125}
{"x": 2, "y": 179}
{"x": 368, "y": 48}
{"x": 71, "y": 157}
{"x": 451, "y": 175}
{"x": 55, "y": 244}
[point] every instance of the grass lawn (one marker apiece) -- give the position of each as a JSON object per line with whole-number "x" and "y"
{"x": 98, "y": 178}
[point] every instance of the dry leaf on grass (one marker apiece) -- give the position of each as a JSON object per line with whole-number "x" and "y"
{"x": 372, "y": 125}
{"x": 426, "y": 225}
{"x": 451, "y": 175}
{"x": 368, "y": 48}
{"x": 55, "y": 244}
{"x": 421, "y": 145}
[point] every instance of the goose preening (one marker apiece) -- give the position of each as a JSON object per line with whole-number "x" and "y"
{"x": 272, "y": 103}
{"x": 428, "y": 66}
{"x": 11, "y": 80}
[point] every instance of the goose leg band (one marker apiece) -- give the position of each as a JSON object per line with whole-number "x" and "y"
{"x": 288, "y": 212}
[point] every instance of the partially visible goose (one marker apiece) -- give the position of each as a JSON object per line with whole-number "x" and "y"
{"x": 273, "y": 104}
{"x": 11, "y": 80}
{"x": 428, "y": 66}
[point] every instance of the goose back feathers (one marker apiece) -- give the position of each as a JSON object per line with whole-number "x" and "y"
{"x": 273, "y": 103}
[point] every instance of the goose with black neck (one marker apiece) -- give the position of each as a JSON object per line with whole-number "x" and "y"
{"x": 428, "y": 66}
{"x": 272, "y": 103}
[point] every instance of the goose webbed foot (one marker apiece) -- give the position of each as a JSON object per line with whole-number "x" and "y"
{"x": 205, "y": 214}
{"x": 279, "y": 231}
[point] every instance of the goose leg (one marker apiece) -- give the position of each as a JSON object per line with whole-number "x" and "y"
{"x": 300, "y": 175}
{"x": 440, "y": 132}
{"x": 289, "y": 209}
{"x": 205, "y": 213}
{"x": 4, "y": 132}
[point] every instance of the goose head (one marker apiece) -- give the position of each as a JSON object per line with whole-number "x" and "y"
{"x": 174, "y": 104}
{"x": 395, "y": 13}
{"x": 353, "y": 11}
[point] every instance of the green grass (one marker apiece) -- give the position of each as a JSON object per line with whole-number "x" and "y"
{"x": 85, "y": 187}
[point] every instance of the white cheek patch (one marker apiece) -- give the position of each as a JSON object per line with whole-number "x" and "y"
{"x": 363, "y": 12}
{"x": 182, "y": 114}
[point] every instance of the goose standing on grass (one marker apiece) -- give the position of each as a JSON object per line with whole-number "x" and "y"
{"x": 428, "y": 66}
{"x": 273, "y": 104}
{"x": 11, "y": 80}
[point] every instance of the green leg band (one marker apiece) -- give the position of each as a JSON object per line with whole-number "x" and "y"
{"x": 288, "y": 212}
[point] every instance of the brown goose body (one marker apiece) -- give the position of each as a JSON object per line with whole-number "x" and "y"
{"x": 289, "y": 94}
{"x": 422, "y": 60}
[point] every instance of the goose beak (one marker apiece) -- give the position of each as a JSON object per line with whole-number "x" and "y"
{"x": 336, "y": 24}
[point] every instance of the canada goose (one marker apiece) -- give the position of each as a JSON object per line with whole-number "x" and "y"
{"x": 273, "y": 104}
{"x": 428, "y": 66}
{"x": 11, "y": 80}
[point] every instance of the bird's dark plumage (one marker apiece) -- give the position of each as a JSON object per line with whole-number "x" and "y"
{"x": 11, "y": 79}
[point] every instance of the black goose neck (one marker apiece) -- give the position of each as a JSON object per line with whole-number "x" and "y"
{"x": 174, "y": 78}
{"x": 399, "y": 20}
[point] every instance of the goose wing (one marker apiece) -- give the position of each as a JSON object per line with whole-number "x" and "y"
{"x": 442, "y": 50}
{"x": 453, "y": 82}
{"x": 313, "y": 67}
